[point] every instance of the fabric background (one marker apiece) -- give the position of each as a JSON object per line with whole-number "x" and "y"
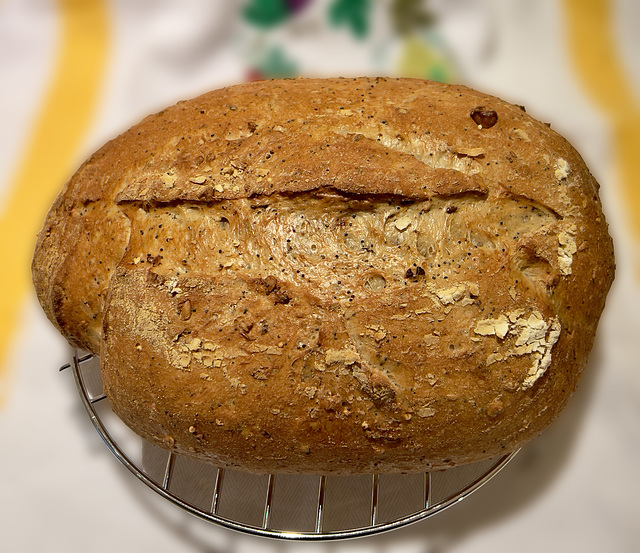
{"x": 75, "y": 73}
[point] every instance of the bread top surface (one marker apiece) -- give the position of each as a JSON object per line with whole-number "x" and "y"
{"x": 380, "y": 257}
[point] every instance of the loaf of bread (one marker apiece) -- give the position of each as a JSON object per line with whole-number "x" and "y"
{"x": 332, "y": 276}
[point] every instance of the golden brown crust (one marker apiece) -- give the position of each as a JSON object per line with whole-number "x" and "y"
{"x": 367, "y": 275}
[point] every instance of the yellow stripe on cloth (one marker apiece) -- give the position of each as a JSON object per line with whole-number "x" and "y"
{"x": 60, "y": 128}
{"x": 592, "y": 47}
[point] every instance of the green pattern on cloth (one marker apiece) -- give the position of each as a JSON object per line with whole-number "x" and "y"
{"x": 399, "y": 37}
{"x": 353, "y": 13}
{"x": 274, "y": 64}
{"x": 409, "y": 15}
{"x": 420, "y": 60}
{"x": 266, "y": 13}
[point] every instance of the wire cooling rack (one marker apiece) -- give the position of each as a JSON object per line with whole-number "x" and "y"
{"x": 295, "y": 507}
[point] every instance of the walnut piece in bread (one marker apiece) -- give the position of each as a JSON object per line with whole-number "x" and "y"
{"x": 332, "y": 276}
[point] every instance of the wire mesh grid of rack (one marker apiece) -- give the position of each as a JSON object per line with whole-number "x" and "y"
{"x": 286, "y": 506}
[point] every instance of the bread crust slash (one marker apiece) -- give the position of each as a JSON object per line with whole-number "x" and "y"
{"x": 332, "y": 276}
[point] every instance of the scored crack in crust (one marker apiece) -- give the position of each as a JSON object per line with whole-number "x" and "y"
{"x": 332, "y": 276}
